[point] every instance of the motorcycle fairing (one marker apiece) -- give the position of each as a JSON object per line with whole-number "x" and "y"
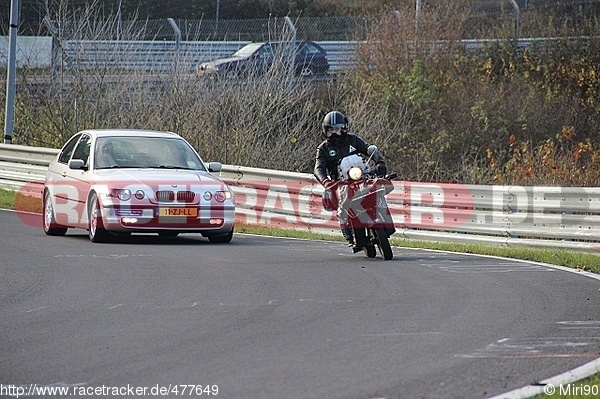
{"x": 362, "y": 204}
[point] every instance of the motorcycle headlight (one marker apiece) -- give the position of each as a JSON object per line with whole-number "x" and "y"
{"x": 355, "y": 173}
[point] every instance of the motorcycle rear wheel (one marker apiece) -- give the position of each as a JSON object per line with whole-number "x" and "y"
{"x": 383, "y": 244}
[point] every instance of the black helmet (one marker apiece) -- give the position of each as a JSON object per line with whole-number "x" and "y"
{"x": 335, "y": 119}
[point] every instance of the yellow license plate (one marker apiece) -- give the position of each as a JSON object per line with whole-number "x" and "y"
{"x": 178, "y": 212}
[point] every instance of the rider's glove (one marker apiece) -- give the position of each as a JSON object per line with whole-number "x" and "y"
{"x": 381, "y": 169}
{"x": 328, "y": 183}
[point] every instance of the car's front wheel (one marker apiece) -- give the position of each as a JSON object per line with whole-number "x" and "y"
{"x": 96, "y": 230}
{"x": 232, "y": 74}
{"x": 51, "y": 228}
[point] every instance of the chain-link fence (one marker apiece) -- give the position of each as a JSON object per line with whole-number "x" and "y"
{"x": 32, "y": 13}
{"x": 526, "y": 18}
{"x": 254, "y": 30}
{"x": 483, "y": 19}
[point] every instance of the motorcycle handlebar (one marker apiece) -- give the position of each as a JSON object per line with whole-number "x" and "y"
{"x": 390, "y": 176}
{"x": 332, "y": 184}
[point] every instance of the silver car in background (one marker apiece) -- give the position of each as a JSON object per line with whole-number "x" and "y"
{"x": 118, "y": 182}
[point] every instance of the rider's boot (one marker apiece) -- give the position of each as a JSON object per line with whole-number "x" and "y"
{"x": 347, "y": 233}
{"x": 359, "y": 240}
{"x": 357, "y": 248}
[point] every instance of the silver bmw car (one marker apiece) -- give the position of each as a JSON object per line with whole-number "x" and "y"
{"x": 118, "y": 182}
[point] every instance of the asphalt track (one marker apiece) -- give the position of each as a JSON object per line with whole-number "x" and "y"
{"x": 281, "y": 318}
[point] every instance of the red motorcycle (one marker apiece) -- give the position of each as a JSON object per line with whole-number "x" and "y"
{"x": 359, "y": 198}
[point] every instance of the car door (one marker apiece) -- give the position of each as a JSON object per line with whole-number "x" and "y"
{"x": 79, "y": 179}
{"x": 56, "y": 178}
{"x": 264, "y": 58}
{"x": 286, "y": 53}
{"x": 304, "y": 55}
{"x": 308, "y": 55}
{"x": 64, "y": 183}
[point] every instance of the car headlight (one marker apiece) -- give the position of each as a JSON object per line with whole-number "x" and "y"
{"x": 355, "y": 173}
{"x": 123, "y": 194}
{"x": 209, "y": 68}
{"x": 221, "y": 196}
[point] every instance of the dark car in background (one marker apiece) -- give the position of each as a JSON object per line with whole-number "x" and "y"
{"x": 259, "y": 58}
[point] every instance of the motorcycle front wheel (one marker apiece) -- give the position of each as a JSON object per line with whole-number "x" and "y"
{"x": 370, "y": 251}
{"x": 383, "y": 244}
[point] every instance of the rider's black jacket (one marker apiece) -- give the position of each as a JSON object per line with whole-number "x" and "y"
{"x": 330, "y": 151}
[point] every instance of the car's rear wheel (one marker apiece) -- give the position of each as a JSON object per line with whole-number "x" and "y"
{"x": 307, "y": 71}
{"x": 96, "y": 230}
{"x": 51, "y": 228}
{"x": 221, "y": 239}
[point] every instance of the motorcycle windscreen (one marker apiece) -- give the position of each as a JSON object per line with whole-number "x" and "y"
{"x": 348, "y": 163}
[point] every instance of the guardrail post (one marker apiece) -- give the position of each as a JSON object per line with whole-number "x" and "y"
{"x": 58, "y": 52}
{"x": 517, "y": 18}
{"x": 293, "y": 50}
{"x": 217, "y": 21}
{"x": 9, "y": 114}
{"x": 177, "y": 41}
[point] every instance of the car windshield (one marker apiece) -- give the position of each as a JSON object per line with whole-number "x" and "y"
{"x": 247, "y": 50}
{"x": 145, "y": 152}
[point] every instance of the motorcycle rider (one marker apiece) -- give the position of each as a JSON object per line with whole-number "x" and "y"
{"x": 338, "y": 144}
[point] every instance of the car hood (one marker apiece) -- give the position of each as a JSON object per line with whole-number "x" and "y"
{"x": 152, "y": 177}
{"x": 223, "y": 61}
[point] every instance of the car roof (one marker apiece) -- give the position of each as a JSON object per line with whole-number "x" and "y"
{"x": 280, "y": 42}
{"x": 254, "y": 44}
{"x": 130, "y": 133}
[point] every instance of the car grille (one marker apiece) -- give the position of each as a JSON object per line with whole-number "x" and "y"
{"x": 169, "y": 196}
{"x": 186, "y": 196}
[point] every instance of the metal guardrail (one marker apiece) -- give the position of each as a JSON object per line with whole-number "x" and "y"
{"x": 143, "y": 55}
{"x": 159, "y": 55}
{"x": 167, "y": 55}
{"x": 544, "y": 217}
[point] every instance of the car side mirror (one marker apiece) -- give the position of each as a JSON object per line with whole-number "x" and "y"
{"x": 77, "y": 164}
{"x": 214, "y": 167}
